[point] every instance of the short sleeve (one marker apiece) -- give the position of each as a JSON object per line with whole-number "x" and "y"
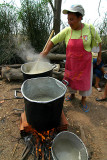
{"x": 95, "y": 39}
{"x": 60, "y": 36}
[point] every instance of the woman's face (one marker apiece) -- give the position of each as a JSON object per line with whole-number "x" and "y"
{"x": 74, "y": 21}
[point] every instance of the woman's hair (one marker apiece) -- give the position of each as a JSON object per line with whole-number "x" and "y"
{"x": 78, "y": 14}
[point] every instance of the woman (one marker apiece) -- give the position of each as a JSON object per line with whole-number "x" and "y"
{"x": 78, "y": 38}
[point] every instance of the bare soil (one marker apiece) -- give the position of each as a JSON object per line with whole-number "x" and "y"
{"x": 91, "y": 127}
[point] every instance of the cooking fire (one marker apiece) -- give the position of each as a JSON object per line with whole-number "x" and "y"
{"x": 39, "y": 143}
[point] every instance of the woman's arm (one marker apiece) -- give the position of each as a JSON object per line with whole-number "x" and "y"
{"x": 99, "y": 55}
{"x": 96, "y": 43}
{"x": 56, "y": 39}
{"x": 48, "y": 48}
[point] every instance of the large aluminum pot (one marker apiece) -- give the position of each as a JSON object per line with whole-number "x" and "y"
{"x": 44, "y": 98}
{"x": 44, "y": 69}
{"x": 68, "y": 146}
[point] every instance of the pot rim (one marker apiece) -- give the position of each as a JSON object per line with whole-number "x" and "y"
{"x": 43, "y": 101}
{"x": 51, "y": 65}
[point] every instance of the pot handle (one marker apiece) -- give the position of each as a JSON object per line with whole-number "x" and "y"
{"x": 16, "y": 92}
{"x": 65, "y": 82}
{"x": 53, "y": 66}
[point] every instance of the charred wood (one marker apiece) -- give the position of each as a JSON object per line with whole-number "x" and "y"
{"x": 11, "y": 73}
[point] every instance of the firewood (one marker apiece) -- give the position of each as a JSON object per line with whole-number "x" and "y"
{"x": 56, "y": 57}
{"x": 58, "y": 75}
{"x": 11, "y": 73}
{"x": 15, "y": 149}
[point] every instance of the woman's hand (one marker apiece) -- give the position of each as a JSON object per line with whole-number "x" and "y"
{"x": 48, "y": 48}
{"x": 43, "y": 53}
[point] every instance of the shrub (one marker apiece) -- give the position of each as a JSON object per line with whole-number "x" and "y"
{"x": 8, "y": 30}
{"x": 36, "y": 21}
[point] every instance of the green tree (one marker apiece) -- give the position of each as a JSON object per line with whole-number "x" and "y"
{"x": 8, "y": 30}
{"x": 103, "y": 31}
{"x": 56, "y": 10}
{"x": 36, "y": 21}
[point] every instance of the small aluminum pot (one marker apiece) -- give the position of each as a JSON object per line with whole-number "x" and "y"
{"x": 67, "y": 145}
{"x": 45, "y": 66}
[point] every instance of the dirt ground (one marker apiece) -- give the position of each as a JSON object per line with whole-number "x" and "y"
{"x": 91, "y": 127}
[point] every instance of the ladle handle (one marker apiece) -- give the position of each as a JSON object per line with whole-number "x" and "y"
{"x": 46, "y": 44}
{"x": 48, "y": 39}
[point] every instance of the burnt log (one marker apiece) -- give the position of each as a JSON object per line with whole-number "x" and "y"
{"x": 10, "y": 66}
{"x": 56, "y": 57}
{"x": 58, "y": 75}
{"x": 11, "y": 73}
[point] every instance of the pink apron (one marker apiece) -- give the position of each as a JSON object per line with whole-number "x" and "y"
{"x": 78, "y": 65}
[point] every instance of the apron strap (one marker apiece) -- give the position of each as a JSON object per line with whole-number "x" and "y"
{"x": 81, "y": 31}
{"x": 71, "y": 34}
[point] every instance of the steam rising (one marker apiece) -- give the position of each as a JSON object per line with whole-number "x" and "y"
{"x": 28, "y": 54}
